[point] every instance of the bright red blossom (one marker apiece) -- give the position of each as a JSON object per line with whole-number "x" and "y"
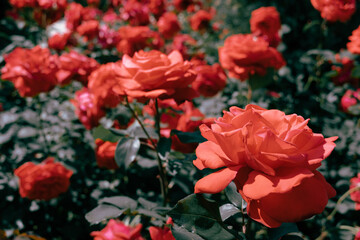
{"x": 59, "y": 41}
{"x": 354, "y": 45}
{"x": 31, "y": 70}
{"x": 43, "y": 181}
{"x": 88, "y": 29}
{"x": 105, "y": 154}
{"x": 201, "y": 19}
{"x": 335, "y": 10}
{"x": 168, "y": 25}
{"x": 101, "y": 82}
{"x": 116, "y": 230}
{"x": 209, "y": 79}
{"x": 272, "y": 158}
{"x": 75, "y": 66}
{"x": 244, "y": 55}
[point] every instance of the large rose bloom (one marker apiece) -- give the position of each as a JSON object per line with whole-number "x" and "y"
{"x": 31, "y": 70}
{"x": 244, "y": 55}
{"x": 335, "y": 10}
{"x": 272, "y": 158}
{"x": 354, "y": 45}
{"x": 43, "y": 181}
{"x": 156, "y": 75}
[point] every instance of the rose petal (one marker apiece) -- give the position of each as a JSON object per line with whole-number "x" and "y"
{"x": 210, "y": 155}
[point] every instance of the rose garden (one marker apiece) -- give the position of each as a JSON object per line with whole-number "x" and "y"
{"x": 179, "y": 119}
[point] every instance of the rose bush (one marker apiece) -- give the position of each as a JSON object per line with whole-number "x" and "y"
{"x": 272, "y": 158}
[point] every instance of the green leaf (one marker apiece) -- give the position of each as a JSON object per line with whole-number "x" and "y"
{"x": 151, "y": 213}
{"x": 355, "y": 73}
{"x": 126, "y": 151}
{"x": 146, "y": 203}
{"x": 227, "y": 210}
{"x": 189, "y": 137}
{"x": 233, "y": 195}
{"x": 180, "y": 233}
{"x": 257, "y": 81}
{"x": 331, "y": 74}
{"x": 120, "y": 202}
{"x": 4, "y": 138}
{"x": 104, "y": 134}
{"x": 164, "y": 145}
{"x": 103, "y": 212}
{"x": 285, "y": 228}
{"x": 200, "y": 216}
{"x": 310, "y": 25}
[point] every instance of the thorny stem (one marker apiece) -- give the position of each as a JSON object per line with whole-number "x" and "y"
{"x": 162, "y": 173}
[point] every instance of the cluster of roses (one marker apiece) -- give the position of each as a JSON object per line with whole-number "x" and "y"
{"x": 271, "y": 157}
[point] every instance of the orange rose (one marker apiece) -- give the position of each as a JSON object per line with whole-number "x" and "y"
{"x": 335, "y": 10}
{"x": 156, "y": 75}
{"x": 105, "y": 154}
{"x": 31, "y": 70}
{"x": 244, "y": 55}
{"x": 272, "y": 158}
{"x": 354, "y": 45}
{"x": 43, "y": 181}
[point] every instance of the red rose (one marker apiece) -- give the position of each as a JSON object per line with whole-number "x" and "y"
{"x": 87, "y": 109}
{"x": 201, "y": 19}
{"x": 108, "y": 38}
{"x": 355, "y": 196}
{"x": 90, "y": 13}
{"x": 272, "y": 158}
{"x": 105, "y": 154}
{"x": 354, "y": 45}
{"x": 88, "y": 29}
{"x": 23, "y": 3}
{"x": 31, "y": 70}
{"x": 209, "y": 80}
{"x": 164, "y": 233}
{"x": 246, "y": 55}
{"x": 116, "y": 230}
{"x": 156, "y": 75}
{"x": 55, "y": 4}
{"x": 59, "y": 41}
{"x": 73, "y": 15}
{"x": 181, "y": 43}
{"x": 335, "y": 10}
{"x": 182, "y": 4}
{"x": 74, "y": 65}
{"x": 265, "y": 22}
{"x": 157, "y": 7}
{"x": 93, "y": 2}
{"x": 168, "y": 25}
{"x": 136, "y": 13}
{"x": 43, "y": 181}
{"x": 350, "y": 98}
{"x": 344, "y": 67}
{"x": 101, "y": 82}
{"x": 136, "y": 38}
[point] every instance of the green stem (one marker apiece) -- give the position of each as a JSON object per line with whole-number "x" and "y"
{"x": 341, "y": 199}
{"x": 162, "y": 172}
